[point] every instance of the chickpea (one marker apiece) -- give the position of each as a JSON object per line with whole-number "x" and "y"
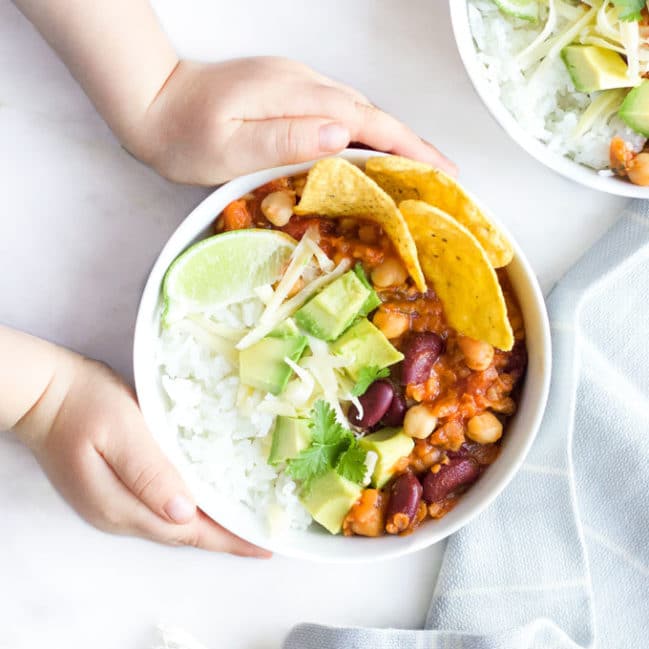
{"x": 367, "y": 233}
{"x": 392, "y": 323}
{"x": 419, "y": 422}
{"x": 638, "y": 170}
{"x": 277, "y": 207}
{"x": 484, "y": 428}
{"x": 389, "y": 273}
{"x": 478, "y": 354}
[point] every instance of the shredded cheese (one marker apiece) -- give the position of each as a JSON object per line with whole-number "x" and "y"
{"x": 324, "y": 262}
{"x": 528, "y": 56}
{"x": 600, "y": 110}
{"x": 322, "y": 365}
{"x": 630, "y": 36}
{"x": 370, "y": 464}
{"x": 219, "y": 329}
{"x": 605, "y": 15}
{"x": 553, "y": 46}
{"x": 299, "y": 259}
{"x": 265, "y": 293}
{"x": 299, "y": 391}
{"x": 290, "y": 306}
{"x": 217, "y": 343}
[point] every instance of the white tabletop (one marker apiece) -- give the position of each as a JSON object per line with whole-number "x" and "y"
{"x": 81, "y": 224}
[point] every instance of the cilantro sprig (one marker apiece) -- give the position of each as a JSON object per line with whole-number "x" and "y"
{"x": 351, "y": 464}
{"x": 332, "y": 447}
{"x": 366, "y": 377}
{"x": 630, "y": 9}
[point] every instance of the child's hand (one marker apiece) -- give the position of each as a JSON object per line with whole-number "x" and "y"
{"x": 206, "y": 123}
{"x": 101, "y": 457}
{"x": 211, "y": 122}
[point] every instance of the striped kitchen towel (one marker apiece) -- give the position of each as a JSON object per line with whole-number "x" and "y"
{"x": 561, "y": 559}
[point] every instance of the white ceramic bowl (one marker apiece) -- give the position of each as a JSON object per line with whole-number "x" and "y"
{"x": 566, "y": 167}
{"x": 316, "y": 544}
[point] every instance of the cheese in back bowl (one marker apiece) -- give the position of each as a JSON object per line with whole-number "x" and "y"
{"x": 217, "y": 357}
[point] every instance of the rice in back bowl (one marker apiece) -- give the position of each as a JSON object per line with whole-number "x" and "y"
{"x": 542, "y": 99}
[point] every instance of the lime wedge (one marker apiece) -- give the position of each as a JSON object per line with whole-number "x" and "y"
{"x": 222, "y": 270}
{"x": 525, "y": 9}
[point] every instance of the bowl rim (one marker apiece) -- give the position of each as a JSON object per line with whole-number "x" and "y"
{"x": 190, "y": 228}
{"x": 560, "y": 164}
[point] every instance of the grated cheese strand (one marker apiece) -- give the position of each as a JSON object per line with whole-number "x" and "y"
{"x": 290, "y": 306}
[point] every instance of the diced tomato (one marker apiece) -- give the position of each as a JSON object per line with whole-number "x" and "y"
{"x": 236, "y": 216}
{"x": 298, "y": 225}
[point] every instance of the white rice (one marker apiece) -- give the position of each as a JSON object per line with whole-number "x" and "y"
{"x": 543, "y": 100}
{"x": 219, "y": 426}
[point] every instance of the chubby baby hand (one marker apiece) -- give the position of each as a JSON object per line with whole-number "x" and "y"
{"x": 101, "y": 457}
{"x": 212, "y": 122}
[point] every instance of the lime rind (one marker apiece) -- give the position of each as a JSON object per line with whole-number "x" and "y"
{"x": 523, "y": 9}
{"x": 222, "y": 270}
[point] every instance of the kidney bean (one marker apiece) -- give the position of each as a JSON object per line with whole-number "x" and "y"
{"x": 375, "y": 402}
{"x": 462, "y": 452}
{"x": 405, "y": 496}
{"x": 396, "y": 411}
{"x": 517, "y": 359}
{"x": 458, "y": 472}
{"x": 420, "y": 351}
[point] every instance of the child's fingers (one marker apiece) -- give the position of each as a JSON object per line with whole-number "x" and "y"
{"x": 139, "y": 463}
{"x": 383, "y": 132}
{"x": 267, "y": 143}
{"x": 202, "y": 532}
{"x": 293, "y": 136}
{"x": 109, "y": 505}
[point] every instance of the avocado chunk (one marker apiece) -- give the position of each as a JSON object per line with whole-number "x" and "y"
{"x": 262, "y": 365}
{"x": 365, "y": 346}
{"x": 390, "y": 444}
{"x": 290, "y": 436}
{"x": 635, "y": 109}
{"x": 329, "y": 499}
{"x": 373, "y": 300}
{"x": 332, "y": 310}
{"x": 595, "y": 68}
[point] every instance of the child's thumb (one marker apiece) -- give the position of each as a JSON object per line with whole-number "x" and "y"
{"x": 140, "y": 464}
{"x": 273, "y": 142}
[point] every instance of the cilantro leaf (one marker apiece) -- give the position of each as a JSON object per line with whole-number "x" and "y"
{"x": 366, "y": 377}
{"x": 329, "y": 441}
{"x": 310, "y": 463}
{"x": 324, "y": 427}
{"x": 351, "y": 464}
{"x": 630, "y": 9}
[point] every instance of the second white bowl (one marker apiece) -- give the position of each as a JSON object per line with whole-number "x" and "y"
{"x": 559, "y": 163}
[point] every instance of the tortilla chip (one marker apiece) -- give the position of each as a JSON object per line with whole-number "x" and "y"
{"x": 458, "y": 268}
{"x": 337, "y": 188}
{"x": 405, "y": 179}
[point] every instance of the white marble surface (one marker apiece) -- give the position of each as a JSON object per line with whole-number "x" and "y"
{"x": 81, "y": 223}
